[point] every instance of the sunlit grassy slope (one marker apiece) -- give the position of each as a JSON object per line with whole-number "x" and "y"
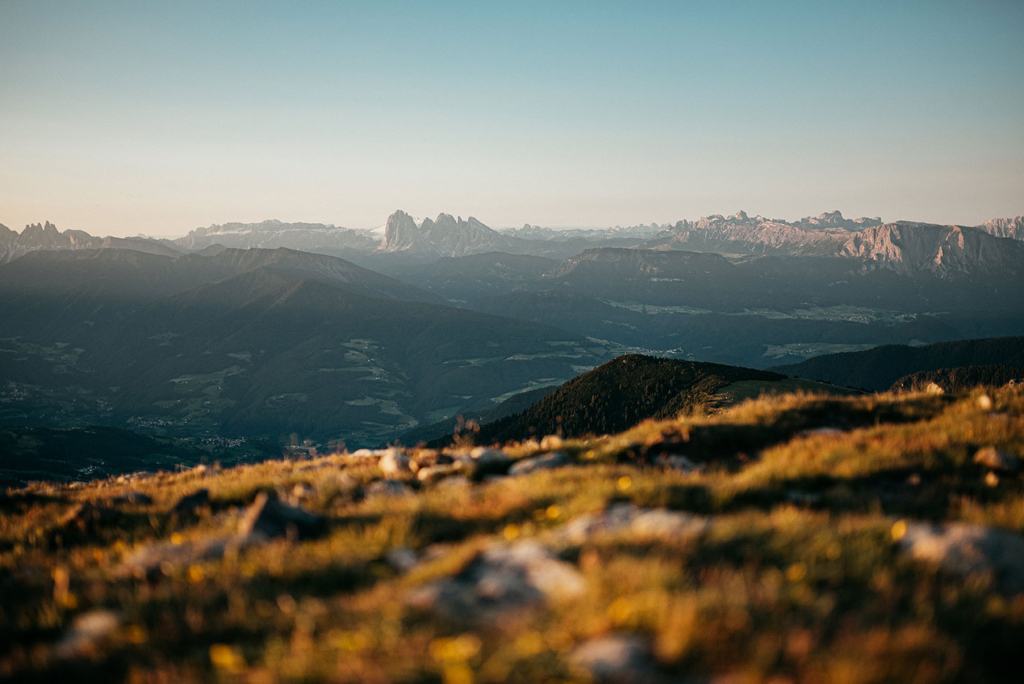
{"x": 796, "y": 573}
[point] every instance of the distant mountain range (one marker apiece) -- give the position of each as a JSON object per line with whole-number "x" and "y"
{"x": 211, "y": 336}
{"x": 308, "y": 237}
{"x": 890, "y": 283}
{"x": 904, "y": 247}
{"x": 38, "y": 236}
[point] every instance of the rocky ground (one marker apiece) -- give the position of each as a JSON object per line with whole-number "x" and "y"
{"x": 796, "y": 538}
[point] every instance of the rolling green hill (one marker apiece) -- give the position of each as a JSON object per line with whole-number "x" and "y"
{"x": 620, "y": 394}
{"x": 959, "y": 379}
{"x": 877, "y": 369}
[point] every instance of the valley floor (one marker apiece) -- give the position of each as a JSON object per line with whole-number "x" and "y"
{"x": 795, "y": 538}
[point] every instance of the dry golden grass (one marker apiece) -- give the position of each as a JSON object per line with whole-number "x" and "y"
{"x": 797, "y": 580}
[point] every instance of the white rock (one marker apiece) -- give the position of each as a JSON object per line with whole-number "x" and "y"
{"x": 997, "y": 459}
{"x": 500, "y": 583}
{"x": 551, "y": 442}
{"x": 402, "y": 559}
{"x": 638, "y": 522}
{"x": 436, "y": 473}
{"x": 88, "y": 632}
{"x": 394, "y": 463}
{"x": 368, "y": 453}
{"x": 548, "y": 461}
{"x": 964, "y": 549}
{"x": 616, "y": 659}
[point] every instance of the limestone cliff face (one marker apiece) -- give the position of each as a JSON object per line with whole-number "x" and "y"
{"x": 904, "y": 247}
{"x": 743, "y": 234}
{"x": 37, "y": 236}
{"x": 272, "y": 234}
{"x": 1005, "y": 227}
{"x": 943, "y": 251}
{"x": 444, "y": 236}
{"x": 400, "y": 233}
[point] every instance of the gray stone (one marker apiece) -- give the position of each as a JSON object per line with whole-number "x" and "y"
{"x": 482, "y": 462}
{"x": 401, "y": 559}
{"x": 432, "y": 474}
{"x": 489, "y": 457}
{"x": 89, "y": 632}
{"x": 550, "y": 460}
{"x": 616, "y": 659}
{"x": 387, "y": 488}
{"x": 270, "y": 518}
{"x": 150, "y": 560}
{"x": 394, "y": 463}
{"x": 500, "y": 583}
{"x": 964, "y": 549}
{"x": 638, "y": 522}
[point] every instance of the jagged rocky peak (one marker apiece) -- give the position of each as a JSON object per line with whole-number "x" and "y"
{"x": 40, "y": 234}
{"x": 400, "y": 232}
{"x": 835, "y": 219}
{"x": 943, "y": 251}
{"x": 1005, "y": 227}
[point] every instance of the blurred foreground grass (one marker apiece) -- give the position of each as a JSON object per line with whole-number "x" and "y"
{"x": 798, "y": 577}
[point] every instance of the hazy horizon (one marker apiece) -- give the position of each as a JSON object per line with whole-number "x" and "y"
{"x": 158, "y": 119}
{"x": 420, "y": 217}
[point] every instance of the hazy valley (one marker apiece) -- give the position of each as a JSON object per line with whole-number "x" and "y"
{"x": 272, "y": 330}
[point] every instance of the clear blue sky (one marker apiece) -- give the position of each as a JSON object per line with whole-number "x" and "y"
{"x": 157, "y": 117}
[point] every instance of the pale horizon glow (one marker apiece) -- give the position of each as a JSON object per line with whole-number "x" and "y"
{"x": 121, "y": 118}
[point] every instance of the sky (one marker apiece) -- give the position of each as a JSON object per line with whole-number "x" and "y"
{"x": 135, "y": 117}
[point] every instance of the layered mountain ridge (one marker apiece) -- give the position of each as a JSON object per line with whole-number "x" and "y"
{"x": 908, "y": 248}
{"x": 1005, "y": 227}
{"x": 46, "y": 236}
{"x": 310, "y": 237}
